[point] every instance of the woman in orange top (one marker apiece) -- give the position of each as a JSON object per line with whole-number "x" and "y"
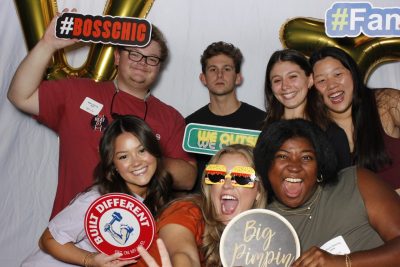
{"x": 191, "y": 228}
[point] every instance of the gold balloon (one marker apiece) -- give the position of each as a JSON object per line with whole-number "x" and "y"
{"x": 36, "y": 15}
{"x": 307, "y": 35}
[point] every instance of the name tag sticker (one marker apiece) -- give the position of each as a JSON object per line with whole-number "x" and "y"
{"x": 91, "y": 106}
{"x": 336, "y": 246}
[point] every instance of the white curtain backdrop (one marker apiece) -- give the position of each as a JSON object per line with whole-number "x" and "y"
{"x": 29, "y": 151}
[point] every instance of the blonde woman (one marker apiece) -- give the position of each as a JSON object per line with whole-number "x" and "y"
{"x": 191, "y": 228}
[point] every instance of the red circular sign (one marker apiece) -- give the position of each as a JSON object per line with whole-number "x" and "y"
{"x": 119, "y": 223}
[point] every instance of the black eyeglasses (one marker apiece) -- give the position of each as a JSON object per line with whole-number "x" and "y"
{"x": 136, "y": 56}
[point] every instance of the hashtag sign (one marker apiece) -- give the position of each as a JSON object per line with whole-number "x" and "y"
{"x": 339, "y": 19}
{"x": 127, "y": 31}
{"x": 67, "y": 25}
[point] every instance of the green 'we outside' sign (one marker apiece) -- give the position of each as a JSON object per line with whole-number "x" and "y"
{"x": 208, "y": 139}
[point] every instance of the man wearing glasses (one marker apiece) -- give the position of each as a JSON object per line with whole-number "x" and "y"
{"x": 78, "y": 110}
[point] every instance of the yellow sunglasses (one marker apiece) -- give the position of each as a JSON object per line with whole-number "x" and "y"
{"x": 240, "y": 175}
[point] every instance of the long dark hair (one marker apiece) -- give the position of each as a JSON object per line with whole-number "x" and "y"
{"x": 369, "y": 147}
{"x": 314, "y": 110}
{"x": 110, "y": 181}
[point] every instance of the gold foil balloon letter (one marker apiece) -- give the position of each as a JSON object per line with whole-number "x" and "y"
{"x": 36, "y": 15}
{"x": 307, "y": 35}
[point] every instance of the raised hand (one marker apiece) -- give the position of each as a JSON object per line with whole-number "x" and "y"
{"x": 165, "y": 260}
{"x": 49, "y": 38}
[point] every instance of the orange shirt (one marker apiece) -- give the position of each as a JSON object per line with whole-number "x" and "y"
{"x": 187, "y": 214}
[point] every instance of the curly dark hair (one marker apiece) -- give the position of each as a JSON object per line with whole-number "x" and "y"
{"x": 272, "y": 138}
{"x": 369, "y": 146}
{"x": 109, "y": 181}
{"x": 223, "y": 48}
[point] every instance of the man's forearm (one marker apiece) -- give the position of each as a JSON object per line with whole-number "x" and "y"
{"x": 28, "y": 77}
{"x": 183, "y": 173}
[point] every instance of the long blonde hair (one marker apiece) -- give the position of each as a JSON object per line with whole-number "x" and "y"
{"x": 213, "y": 226}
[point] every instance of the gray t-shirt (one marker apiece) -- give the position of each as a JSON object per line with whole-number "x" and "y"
{"x": 333, "y": 211}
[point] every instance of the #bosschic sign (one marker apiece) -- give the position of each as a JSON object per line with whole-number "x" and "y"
{"x": 119, "y": 223}
{"x": 126, "y": 31}
{"x": 261, "y": 238}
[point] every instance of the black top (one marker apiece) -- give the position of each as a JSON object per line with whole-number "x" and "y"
{"x": 246, "y": 117}
{"x": 338, "y": 139}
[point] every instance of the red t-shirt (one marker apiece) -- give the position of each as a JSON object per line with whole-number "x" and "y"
{"x": 80, "y": 132}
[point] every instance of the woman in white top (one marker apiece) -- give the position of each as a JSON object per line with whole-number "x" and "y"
{"x": 131, "y": 163}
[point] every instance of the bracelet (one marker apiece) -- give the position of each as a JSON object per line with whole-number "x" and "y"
{"x": 348, "y": 260}
{"x": 86, "y": 259}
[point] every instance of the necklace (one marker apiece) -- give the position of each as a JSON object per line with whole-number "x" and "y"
{"x": 113, "y": 114}
{"x": 306, "y": 211}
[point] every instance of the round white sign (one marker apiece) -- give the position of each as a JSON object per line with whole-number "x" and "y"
{"x": 259, "y": 237}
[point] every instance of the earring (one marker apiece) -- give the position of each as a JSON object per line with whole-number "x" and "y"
{"x": 320, "y": 178}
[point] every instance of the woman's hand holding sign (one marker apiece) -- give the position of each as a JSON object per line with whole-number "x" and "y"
{"x": 103, "y": 260}
{"x": 318, "y": 257}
